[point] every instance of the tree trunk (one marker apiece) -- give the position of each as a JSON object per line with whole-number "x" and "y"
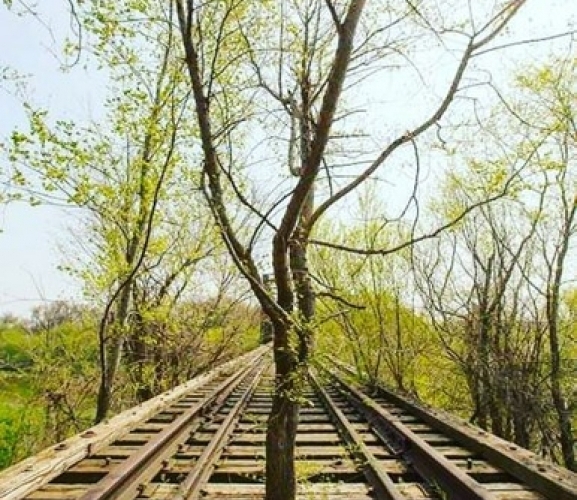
{"x": 137, "y": 357}
{"x": 113, "y": 354}
{"x": 102, "y": 401}
{"x": 561, "y": 406}
{"x": 521, "y": 429}
{"x": 282, "y": 421}
{"x": 559, "y": 401}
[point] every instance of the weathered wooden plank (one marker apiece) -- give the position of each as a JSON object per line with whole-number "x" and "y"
{"x": 476, "y": 466}
{"x": 259, "y": 439}
{"x": 507, "y": 487}
{"x": 348, "y": 491}
{"x": 518, "y": 495}
{"x": 58, "y": 492}
{"x": 95, "y": 465}
{"x": 302, "y": 428}
{"x": 320, "y": 466}
{"x": 452, "y": 452}
{"x": 419, "y": 428}
{"x": 253, "y": 492}
{"x": 435, "y": 439}
{"x": 301, "y": 451}
{"x": 303, "y": 413}
{"x": 314, "y": 490}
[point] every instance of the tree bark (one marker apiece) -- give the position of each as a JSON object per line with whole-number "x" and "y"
{"x": 289, "y": 359}
{"x": 113, "y": 354}
{"x": 282, "y": 420}
{"x": 561, "y": 406}
{"x": 559, "y": 401}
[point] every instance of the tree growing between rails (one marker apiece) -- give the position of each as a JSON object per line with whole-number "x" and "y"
{"x": 267, "y": 93}
{"x": 244, "y": 72}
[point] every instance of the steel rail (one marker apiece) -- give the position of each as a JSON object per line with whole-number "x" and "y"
{"x": 428, "y": 462}
{"x": 546, "y": 478}
{"x": 190, "y": 488}
{"x": 127, "y": 477}
{"x": 378, "y": 477}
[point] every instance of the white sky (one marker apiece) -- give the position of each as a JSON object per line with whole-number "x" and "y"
{"x": 31, "y": 237}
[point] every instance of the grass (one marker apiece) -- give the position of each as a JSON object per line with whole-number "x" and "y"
{"x": 14, "y": 388}
{"x": 20, "y": 418}
{"x": 15, "y": 348}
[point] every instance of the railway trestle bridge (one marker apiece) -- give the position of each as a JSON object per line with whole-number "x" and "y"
{"x": 206, "y": 439}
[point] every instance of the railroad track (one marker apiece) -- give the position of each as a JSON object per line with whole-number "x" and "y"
{"x": 206, "y": 440}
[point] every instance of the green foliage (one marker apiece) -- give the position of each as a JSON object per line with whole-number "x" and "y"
{"x": 66, "y": 377}
{"x": 169, "y": 346}
{"x": 19, "y": 427}
{"x": 15, "y": 347}
{"x": 20, "y": 418}
{"x": 119, "y": 170}
{"x": 370, "y": 318}
{"x": 51, "y": 395}
{"x": 491, "y": 283}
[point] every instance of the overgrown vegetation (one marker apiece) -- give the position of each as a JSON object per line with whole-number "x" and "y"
{"x": 49, "y": 377}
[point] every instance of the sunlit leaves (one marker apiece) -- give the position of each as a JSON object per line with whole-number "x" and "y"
{"x": 128, "y": 165}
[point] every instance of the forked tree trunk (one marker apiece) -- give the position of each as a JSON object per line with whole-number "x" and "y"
{"x": 291, "y": 358}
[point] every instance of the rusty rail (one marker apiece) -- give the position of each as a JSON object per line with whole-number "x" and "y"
{"x": 190, "y": 487}
{"x": 382, "y": 482}
{"x": 126, "y": 479}
{"x": 544, "y": 477}
{"x": 428, "y": 461}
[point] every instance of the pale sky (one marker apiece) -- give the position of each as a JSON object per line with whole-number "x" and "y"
{"x": 32, "y": 236}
